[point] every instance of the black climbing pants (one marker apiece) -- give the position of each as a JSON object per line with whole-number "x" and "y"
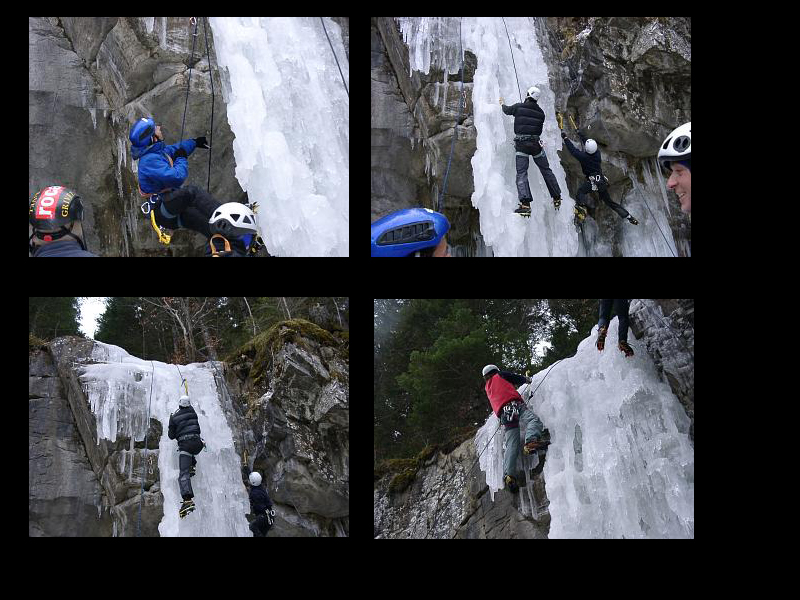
{"x": 523, "y": 187}
{"x": 187, "y": 450}
{"x": 621, "y": 309}
{"x": 189, "y": 207}
{"x": 602, "y": 191}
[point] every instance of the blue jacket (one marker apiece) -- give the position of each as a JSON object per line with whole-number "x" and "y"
{"x": 155, "y": 172}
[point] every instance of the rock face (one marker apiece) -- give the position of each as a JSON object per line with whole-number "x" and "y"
{"x": 297, "y": 375}
{"x": 667, "y": 327}
{"x": 65, "y": 494}
{"x": 286, "y": 402}
{"x": 448, "y": 497}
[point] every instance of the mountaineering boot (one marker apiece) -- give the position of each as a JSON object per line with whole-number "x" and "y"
{"x": 580, "y": 215}
{"x": 556, "y": 203}
{"x": 524, "y": 209}
{"x": 511, "y": 483}
{"x": 186, "y": 507}
{"x": 626, "y": 348}
{"x": 534, "y": 445}
{"x": 632, "y": 220}
{"x": 601, "y": 338}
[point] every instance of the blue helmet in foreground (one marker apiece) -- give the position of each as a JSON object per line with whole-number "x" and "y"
{"x": 405, "y": 232}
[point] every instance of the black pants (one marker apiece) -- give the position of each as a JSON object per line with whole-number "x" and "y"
{"x": 187, "y": 460}
{"x": 189, "y": 207}
{"x": 621, "y": 309}
{"x": 260, "y": 526}
{"x": 602, "y": 191}
{"x": 523, "y": 187}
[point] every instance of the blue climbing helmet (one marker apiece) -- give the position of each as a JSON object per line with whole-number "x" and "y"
{"x": 142, "y": 131}
{"x": 407, "y": 231}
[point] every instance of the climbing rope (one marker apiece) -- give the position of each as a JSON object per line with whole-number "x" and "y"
{"x": 322, "y": 20}
{"x": 519, "y": 89}
{"x": 211, "y": 77}
{"x": 655, "y": 221}
{"x": 455, "y": 126}
{"x": 144, "y": 462}
{"x": 194, "y": 22}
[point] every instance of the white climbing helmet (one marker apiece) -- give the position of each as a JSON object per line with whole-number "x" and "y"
{"x": 233, "y": 219}
{"x": 255, "y": 479}
{"x": 184, "y": 401}
{"x": 677, "y": 147}
{"x": 489, "y": 369}
{"x": 590, "y": 146}
{"x": 534, "y": 92}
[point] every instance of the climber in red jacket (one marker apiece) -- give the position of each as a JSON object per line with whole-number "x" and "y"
{"x": 508, "y": 406}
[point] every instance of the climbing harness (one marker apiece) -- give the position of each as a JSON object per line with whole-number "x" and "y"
{"x": 150, "y": 203}
{"x": 510, "y": 417}
{"x": 344, "y": 83}
{"x": 595, "y": 180}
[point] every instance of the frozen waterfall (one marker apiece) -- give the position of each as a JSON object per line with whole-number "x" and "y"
{"x": 620, "y": 464}
{"x": 288, "y": 108}
{"x": 118, "y": 389}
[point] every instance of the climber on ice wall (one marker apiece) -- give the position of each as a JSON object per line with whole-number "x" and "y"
{"x": 185, "y": 428}
{"x": 528, "y": 122}
{"x": 508, "y": 406}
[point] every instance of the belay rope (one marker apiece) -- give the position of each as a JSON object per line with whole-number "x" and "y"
{"x": 144, "y": 461}
{"x": 461, "y": 101}
{"x": 519, "y": 89}
{"x": 163, "y": 236}
{"x": 322, "y": 20}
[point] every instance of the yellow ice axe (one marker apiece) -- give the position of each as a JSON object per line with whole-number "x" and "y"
{"x": 575, "y": 127}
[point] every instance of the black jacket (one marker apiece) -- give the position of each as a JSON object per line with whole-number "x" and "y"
{"x": 183, "y": 422}
{"x": 590, "y": 163}
{"x": 528, "y": 117}
{"x": 259, "y": 500}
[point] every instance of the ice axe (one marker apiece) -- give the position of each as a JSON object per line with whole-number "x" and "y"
{"x": 575, "y": 127}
